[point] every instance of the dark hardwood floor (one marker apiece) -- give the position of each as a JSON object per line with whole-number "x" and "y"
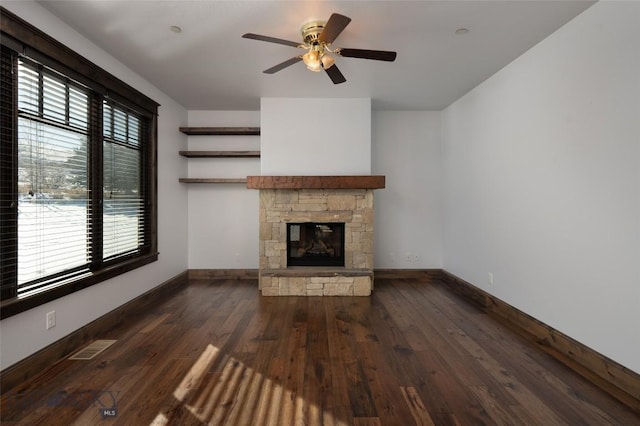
{"x": 218, "y": 353}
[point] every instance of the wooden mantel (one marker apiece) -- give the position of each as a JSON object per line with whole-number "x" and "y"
{"x": 316, "y": 182}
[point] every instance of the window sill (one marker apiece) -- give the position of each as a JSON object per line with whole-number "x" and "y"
{"x": 18, "y": 305}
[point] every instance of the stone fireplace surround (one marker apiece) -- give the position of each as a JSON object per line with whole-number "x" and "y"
{"x": 291, "y": 199}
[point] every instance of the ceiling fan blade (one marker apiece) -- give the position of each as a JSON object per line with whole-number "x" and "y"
{"x": 272, "y": 40}
{"x": 378, "y": 55}
{"x": 335, "y": 75}
{"x": 334, "y": 26}
{"x": 283, "y": 65}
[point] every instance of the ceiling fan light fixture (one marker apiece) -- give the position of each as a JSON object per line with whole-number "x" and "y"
{"x": 327, "y": 61}
{"x": 312, "y": 60}
{"x": 315, "y": 67}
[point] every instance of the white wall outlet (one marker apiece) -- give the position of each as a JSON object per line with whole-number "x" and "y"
{"x": 51, "y": 319}
{"x": 490, "y": 278}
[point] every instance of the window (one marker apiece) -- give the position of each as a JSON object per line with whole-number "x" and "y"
{"x": 54, "y": 221}
{"x": 77, "y": 162}
{"x": 123, "y": 201}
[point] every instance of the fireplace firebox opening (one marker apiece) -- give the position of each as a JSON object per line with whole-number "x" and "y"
{"x": 315, "y": 244}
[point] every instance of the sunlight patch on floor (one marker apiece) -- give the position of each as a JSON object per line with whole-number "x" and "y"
{"x": 160, "y": 420}
{"x": 195, "y": 375}
{"x": 233, "y": 393}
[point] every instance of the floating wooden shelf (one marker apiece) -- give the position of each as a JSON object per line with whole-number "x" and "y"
{"x": 220, "y": 154}
{"x": 202, "y": 131}
{"x": 213, "y": 180}
{"x": 231, "y": 131}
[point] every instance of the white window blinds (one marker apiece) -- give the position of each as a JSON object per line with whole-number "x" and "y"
{"x": 53, "y": 219}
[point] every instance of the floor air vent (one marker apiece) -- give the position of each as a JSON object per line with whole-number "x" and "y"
{"x": 91, "y": 351}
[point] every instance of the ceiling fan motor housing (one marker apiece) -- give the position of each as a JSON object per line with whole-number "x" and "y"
{"x": 311, "y": 31}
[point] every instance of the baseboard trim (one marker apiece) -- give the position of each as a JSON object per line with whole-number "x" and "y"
{"x": 223, "y": 274}
{"x": 408, "y": 274}
{"x": 617, "y": 380}
{"x": 36, "y": 363}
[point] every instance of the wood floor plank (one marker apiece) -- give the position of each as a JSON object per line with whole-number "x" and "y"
{"x": 144, "y": 403}
{"x": 439, "y": 398}
{"x": 454, "y": 389}
{"x": 348, "y": 321}
{"x": 500, "y": 414}
{"x": 468, "y": 318}
{"x": 293, "y": 382}
{"x": 338, "y": 350}
{"x": 520, "y": 391}
{"x": 435, "y": 328}
{"x": 317, "y": 374}
{"x": 417, "y": 408}
{"x": 384, "y": 386}
{"x": 426, "y": 337}
{"x": 367, "y": 421}
{"x": 492, "y": 335}
{"x": 218, "y": 353}
{"x": 540, "y": 379}
{"x": 398, "y": 357}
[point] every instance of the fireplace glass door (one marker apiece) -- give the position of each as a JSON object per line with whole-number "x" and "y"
{"x": 315, "y": 244}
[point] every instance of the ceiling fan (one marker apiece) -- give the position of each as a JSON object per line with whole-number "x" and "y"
{"x": 317, "y": 37}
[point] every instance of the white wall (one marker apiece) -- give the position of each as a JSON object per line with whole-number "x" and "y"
{"x": 25, "y": 333}
{"x": 309, "y": 137}
{"x": 223, "y": 218}
{"x": 542, "y": 182}
{"x": 405, "y": 146}
{"x": 408, "y": 222}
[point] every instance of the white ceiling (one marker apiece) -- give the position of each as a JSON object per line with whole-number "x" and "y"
{"x": 208, "y": 66}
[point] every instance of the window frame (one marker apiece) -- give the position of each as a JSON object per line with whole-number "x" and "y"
{"x": 24, "y": 39}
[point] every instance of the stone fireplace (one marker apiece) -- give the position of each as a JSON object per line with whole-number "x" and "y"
{"x": 313, "y": 206}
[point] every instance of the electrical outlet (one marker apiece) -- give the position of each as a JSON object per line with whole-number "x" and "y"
{"x": 490, "y": 278}
{"x": 51, "y": 319}
{"x": 408, "y": 257}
